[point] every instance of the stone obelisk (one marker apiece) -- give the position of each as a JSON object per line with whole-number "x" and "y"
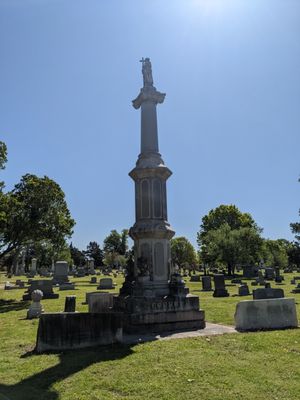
{"x": 153, "y": 297}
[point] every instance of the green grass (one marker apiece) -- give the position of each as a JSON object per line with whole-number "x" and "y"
{"x": 263, "y": 365}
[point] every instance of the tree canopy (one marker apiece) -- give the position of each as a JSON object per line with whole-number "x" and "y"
{"x": 33, "y": 211}
{"x": 94, "y": 251}
{"x": 230, "y": 237}
{"x": 116, "y": 242}
{"x": 183, "y": 252}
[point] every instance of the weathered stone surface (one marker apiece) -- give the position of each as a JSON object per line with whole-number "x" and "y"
{"x": 251, "y": 315}
{"x": 269, "y": 273}
{"x": 66, "y": 286}
{"x": 70, "y": 304}
{"x": 35, "y": 309}
{"x": 206, "y": 283}
{"x": 195, "y": 278}
{"x": 63, "y": 331}
{"x": 244, "y": 290}
{"x": 100, "y": 302}
{"x": 220, "y": 290}
{"x": 61, "y": 271}
{"x": 267, "y": 293}
{"x": 106, "y": 283}
{"x": 44, "y": 285}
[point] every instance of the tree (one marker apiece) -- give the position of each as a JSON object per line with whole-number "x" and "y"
{"x": 294, "y": 254}
{"x": 231, "y": 247}
{"x": 34, "y": 210}
{"x": 77, "y": 256}
{"x": 295, "y": 227}
{"x": 94, "y": 251}
{"x": 183, "y": 252}
{"x": 275, "y": 252}
{"x": 225, "y": 214}
{"x": 228, "y": 236}
{"x": 3, "y": 160}
{"x": 116, "y": 242}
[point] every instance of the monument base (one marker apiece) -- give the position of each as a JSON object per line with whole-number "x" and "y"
{"x": 159, "y": 314}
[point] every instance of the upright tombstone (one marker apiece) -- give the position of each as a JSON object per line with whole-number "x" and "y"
{"x": 46, "y": 286}
{"x": 33, "y": 266}
{"x": 147, "y": 299}
{"x": 206, "y": 283}
{"x": 269, "y": 273}
{"x": 70, "y": 304}
{"x": 106, "y": 283}
{"x": 61, "y": 270}
{"x": 220, "y": 290}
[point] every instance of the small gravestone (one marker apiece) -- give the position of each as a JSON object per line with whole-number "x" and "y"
{"x": 220, "y": 290}
{"x": 195, "y": 278}
{"x": 267, "y": 293}
{"x": 9, "y": 286}
{"x": 93, "y": 279}
{"x": 236, "y": 280}
{"x": 278, "y": 278}
{"x": 35, "y": 309}
{"x": 293, "y": 282}
{"x": 105, "y": 283}
{"x": 20, "y": 283}
{"x": 61, "y": 270}
{"x": 249, "y": 271}
{"x": 100, "y": 302}
{"x": 206, "y": 283}
{"x": 44, "y": 272}
{"x": 244, "y": 290}
{"x": 269, "y": 273}
{"x": 44, "y": 285}
{"x": 80, "y": 273}
{"x": 297, "y": 289}
{"x": 70, "y": 304}
{"x": 66, "y": 286}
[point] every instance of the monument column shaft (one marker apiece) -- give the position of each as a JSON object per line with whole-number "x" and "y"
{"x": 149, "y": 135}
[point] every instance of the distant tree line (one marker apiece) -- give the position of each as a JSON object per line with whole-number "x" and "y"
{"x": 35, "y": 221}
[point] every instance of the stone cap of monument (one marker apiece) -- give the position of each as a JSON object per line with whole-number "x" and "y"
{"x": 148, "y": 94}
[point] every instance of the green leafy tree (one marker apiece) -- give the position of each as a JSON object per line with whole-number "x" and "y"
{"x": 77, "y": 256}
{"x": 33, "y": 211}
{"x": 94, "y": 251}
{"x": 275, "y": 252}
{"x": 220, "y": 234}
{"x": 294, "y": 254}
{"x": 3, "y": 160}
{"x": 183, "y": 252}
{"x": 295, "y": 227}
{"x": 116, "y": 242}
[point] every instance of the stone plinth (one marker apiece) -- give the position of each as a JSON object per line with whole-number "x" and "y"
{"x": 64, "y": 331}
{"x": 244, "y": 290}
{"x": 35, "y": 309}
{"x": 252, "y": 315}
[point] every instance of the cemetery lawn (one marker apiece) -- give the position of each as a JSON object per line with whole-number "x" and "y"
{"x": 256, "y": 366}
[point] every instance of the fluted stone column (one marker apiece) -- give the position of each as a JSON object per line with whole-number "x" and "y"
{"x": 151, "y": 232}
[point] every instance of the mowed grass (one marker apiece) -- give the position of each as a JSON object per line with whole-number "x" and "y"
{"x": 262, "y": 365}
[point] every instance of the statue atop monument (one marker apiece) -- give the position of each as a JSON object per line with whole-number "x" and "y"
{"x": 147, "y": 71}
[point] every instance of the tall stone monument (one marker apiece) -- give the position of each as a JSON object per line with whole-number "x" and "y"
{"x": 153, "y": 297}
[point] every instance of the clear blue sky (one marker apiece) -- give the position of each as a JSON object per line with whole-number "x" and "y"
{"x": 229, "y": 127}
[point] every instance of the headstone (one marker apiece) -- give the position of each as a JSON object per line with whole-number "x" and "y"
{"x": 20, "y": 283}
{"x": 70, "y": 304}
{"x": 93, "y": 279}
{"x": 206, "y": 283}
{"x": 100, "y": 302}
{"x": 91, "y": 265}
{"x": 195, "y": 278}
{"x": 9, "y": 286}
{"x": 80, "y": 272}
{"x": 33, "y": 265}
{"x": 269, "y": 273}
{"x": 106, "y": 283}
{"x": 236, "y": 280}
{"x": 296, "y": 289}
{"x": 69, "y": 331}
{"x": 267, "y": 293}
{"x": 66, "y": 286}
{"x": 249, "y": 271}
{"x": 220, "y": 290}
{"x": 44, "y": 272}
{"x": 253, "y": 315}
{"x": 61, "y": 270}
{"x": 35, "y": 309}
{"x": 244, "y": 290}
{"x": 44, "y": 285}
{"x": 278, "y": 278}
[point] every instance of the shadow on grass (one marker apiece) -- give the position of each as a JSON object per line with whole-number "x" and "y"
{"x": 38, "y": 386}
{"x": 13, "y": 305}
